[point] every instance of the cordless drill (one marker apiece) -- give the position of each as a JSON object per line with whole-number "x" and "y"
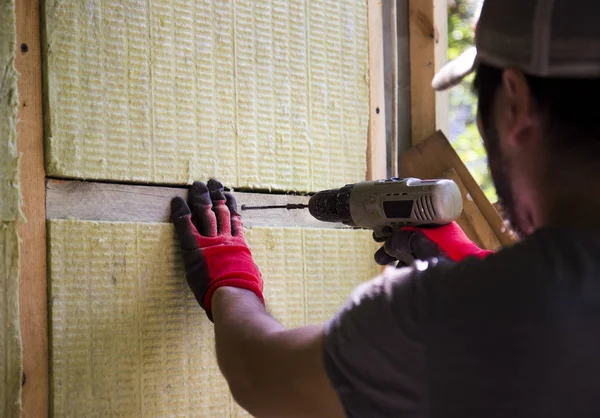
{"x": 383, "y": 204}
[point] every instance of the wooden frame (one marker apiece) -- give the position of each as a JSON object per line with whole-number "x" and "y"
{"x": 376, "y": 149}
{"x": 427, "y": 110}
{"x": 428, "y": 34}
{"x": 32, "y": 231}
{"x": 415, "y": 28}
{"x": 30, "y": 143}
{"x": 432, "y": 156}
{"x": 87, "y": 200}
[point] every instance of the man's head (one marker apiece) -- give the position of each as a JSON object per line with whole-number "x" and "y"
{"x": 537, "y": 67}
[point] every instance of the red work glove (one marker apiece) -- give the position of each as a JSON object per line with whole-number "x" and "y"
{"x": 410, "y": 243}
{"x": 211, "y": 237}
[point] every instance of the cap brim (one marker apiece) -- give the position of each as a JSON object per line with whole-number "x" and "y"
{"x": 453, "y": 73}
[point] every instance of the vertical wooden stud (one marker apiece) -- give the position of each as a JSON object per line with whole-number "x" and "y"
{"x": 32, "y": 231}
{"x": 428, "y": 49}
{"x": 376, "y": 152}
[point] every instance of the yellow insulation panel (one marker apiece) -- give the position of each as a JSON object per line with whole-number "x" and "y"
{"x": 11, "y": 368}
{"x": 262, "y": 93}
{"x": 10, "y": 339}
{"x": 128, "y": 338}
{"x": 9, "y": 162}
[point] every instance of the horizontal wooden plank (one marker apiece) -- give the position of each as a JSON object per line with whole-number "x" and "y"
{"x": 135, "y": 203}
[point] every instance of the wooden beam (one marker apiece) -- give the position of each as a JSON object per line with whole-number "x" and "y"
{"x": 134, "y": 203}
{"x": 397, "y": 79}
{"x": 428, "y": 52}
{"x": 434, "y": 157}
{"x": 393, "y": 17}
{"x": 376, "y": 150}
{"x": 403, "y": 42}
{"x": 32, "y": 232}
{"x": 472, "y": 220}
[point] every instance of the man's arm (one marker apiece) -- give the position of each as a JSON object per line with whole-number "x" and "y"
{"x": 371, "y": 352}
{"x": 271, "y": 371}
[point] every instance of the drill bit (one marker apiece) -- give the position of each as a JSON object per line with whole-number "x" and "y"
{"x": 289, "y": 206}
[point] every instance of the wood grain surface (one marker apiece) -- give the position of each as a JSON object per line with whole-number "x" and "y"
{"x": 377, "y": 145}
{"x": 32, "y": 231}
{"x": 471, "y": 220}
{"x": 428, "y": 53}
{"x": 134, "y": 203}
{"x": 432, "y": 158}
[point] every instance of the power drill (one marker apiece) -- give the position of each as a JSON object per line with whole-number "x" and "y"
{"x": 383, "y": 204}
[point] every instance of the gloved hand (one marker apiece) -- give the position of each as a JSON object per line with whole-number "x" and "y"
{"x": 415, "y": 243}
{"x": 211, "y": 237}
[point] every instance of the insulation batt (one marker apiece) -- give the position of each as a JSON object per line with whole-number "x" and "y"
{"x": 128, "y": 337}
{"x": 269, "y": 94}
{"x": 11, "y": 369}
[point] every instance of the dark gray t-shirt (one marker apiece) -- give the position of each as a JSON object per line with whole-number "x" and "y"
{"x": 514, "y": 335}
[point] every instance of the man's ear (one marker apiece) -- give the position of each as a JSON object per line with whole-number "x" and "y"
{"x": 518, "y": 105}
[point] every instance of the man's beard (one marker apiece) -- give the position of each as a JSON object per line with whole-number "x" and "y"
{"x": 499, "y": 171}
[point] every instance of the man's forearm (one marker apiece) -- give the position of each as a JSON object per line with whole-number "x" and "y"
{"x": 258, "y": 357}
{"x": 242, "y": 329}
{"x": 271, "y": 371}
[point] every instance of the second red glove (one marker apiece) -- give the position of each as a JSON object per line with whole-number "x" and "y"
{"x": 418, "y": 243}
{"x": 452, "y": 240}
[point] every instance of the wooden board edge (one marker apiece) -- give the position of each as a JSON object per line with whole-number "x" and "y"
{"x": 32, "y": 230}
{"x": 428, "y": 51}
{"x": 377, "y": 147}
{"x": 487, "y": 209}
{"x": 490, "y": 213}
{"x": 112, "y": 202}
{"x": 394, "y": 91}
{"x": 422, "y": 68}
{"x": 442, "y": 99}
{"x": 482, "y": 233}
{"x": 432, "y": 157}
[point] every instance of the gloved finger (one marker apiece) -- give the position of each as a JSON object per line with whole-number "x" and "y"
{"x": 202, "y": 214}
{"x": 182, "y": 220}
{"x": 379, "y": 238}
{"x": 237, "y": 228}
{"x": 424, "y": 248}
{"x": 179, "y": 208}
{"x": 382, "y": 258}
{"x": 398, "y": 246}
{"x": 219, "y": 207}
{"x": 197, "y": 276}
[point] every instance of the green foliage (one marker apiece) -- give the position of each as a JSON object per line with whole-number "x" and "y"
{"x": 464, "y": 134}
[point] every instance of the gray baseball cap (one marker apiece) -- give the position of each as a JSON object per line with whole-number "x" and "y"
{"x": 546, "y": 38}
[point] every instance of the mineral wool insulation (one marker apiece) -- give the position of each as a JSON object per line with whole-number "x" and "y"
{"x": 263, "y": 93}
{"x": 128, "y": 337}
{"x": 10, "y": 341}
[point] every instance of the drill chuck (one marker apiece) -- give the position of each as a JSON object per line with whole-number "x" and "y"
{"x": 332, "y": 205}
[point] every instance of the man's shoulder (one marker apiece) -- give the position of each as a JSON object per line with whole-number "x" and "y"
{"x": 552, "y": 242}
{"x": 511, "y": 280}
{"x": 514, "y": 279}
{"x": 547, "y": 250}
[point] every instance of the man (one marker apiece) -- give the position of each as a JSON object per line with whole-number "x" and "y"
{"x": 511, "y": 334}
